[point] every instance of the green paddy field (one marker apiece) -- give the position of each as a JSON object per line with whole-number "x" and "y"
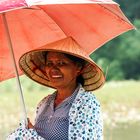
{"x": 120, "y": 102}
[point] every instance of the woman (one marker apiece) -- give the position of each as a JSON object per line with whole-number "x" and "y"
{"x": 72, "y": 112}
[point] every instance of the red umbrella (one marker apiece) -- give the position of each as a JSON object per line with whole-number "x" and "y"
{"x": 24, "y": 27}
{"x": 90, "y": 22}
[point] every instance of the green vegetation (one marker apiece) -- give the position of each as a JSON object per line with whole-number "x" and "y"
{"x": 121, "y": 55}
{"x": 120, "y": 103}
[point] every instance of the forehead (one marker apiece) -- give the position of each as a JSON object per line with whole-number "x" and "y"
{"x": 56, "y": 55}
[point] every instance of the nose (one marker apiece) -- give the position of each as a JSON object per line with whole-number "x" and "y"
{"x": 54, "y": 70}
{"x": 55, "y": 67}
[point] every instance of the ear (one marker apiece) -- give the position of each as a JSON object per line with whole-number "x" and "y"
{"x": 79, "y": 68}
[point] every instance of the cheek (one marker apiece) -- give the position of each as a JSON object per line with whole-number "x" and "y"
{"x": 71, "y": 72}
{"x": 47, "y": 71}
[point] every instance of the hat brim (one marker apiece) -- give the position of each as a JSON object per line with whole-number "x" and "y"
{"x": 31, "y": 63}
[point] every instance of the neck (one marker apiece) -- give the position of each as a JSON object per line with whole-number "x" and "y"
{"x": 63, "y": 93}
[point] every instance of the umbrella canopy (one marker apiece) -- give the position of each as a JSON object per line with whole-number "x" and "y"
{"x": 90, "y": 22}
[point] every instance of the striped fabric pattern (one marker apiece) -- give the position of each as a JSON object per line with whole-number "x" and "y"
{"x": 52, "y": 124}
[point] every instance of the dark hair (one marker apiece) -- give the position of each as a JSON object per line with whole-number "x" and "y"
{"x": 79, "y": 61}
{"x": 75, "y": 59}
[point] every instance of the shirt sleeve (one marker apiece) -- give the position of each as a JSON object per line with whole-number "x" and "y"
{"x": 94, "y": 123}
{"x": 85, "y": 118}
{"x": 98, "y": 120}
{"x": 22, "y": 133}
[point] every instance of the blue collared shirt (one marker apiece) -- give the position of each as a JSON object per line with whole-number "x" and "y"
{"x": 53, "y": 123}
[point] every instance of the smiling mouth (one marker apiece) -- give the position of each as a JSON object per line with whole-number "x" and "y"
{"x": 56, "y": 76}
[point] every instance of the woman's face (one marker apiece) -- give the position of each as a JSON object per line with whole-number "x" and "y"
{"x": 61, "y": 71}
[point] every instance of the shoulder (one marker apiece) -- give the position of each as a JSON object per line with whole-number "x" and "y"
{"x": 87, "y": 96}
{"x": 43, "y": 103}
{"x": 44, "y": 100}
{"x": 90, "y": 100}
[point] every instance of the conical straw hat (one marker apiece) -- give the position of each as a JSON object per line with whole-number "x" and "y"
{"x": 32, "y": 63}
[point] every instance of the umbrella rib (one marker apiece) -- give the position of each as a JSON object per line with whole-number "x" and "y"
{"x": 30, "y": 8}
{"x": 115, "y": 13}
{"x": 51, "y": 18}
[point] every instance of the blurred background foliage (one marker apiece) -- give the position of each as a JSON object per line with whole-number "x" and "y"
{"x": 120, "y": 57}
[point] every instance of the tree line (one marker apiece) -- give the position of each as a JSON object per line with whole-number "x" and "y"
{"x": 120, "y": 57}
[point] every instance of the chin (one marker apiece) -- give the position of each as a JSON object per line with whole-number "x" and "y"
{"x": 57, "y": 85}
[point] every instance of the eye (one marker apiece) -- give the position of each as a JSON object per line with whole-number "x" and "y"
{"x": 49, "y": 64}
{"x": 61, "y": 63}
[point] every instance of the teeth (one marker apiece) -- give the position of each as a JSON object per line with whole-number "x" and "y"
{"x": 56, "y": 76}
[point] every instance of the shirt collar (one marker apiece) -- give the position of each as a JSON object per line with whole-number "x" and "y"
{"x": 71, "y": 98}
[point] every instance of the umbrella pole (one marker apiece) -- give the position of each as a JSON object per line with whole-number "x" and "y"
{"x": 15, "y": 67}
